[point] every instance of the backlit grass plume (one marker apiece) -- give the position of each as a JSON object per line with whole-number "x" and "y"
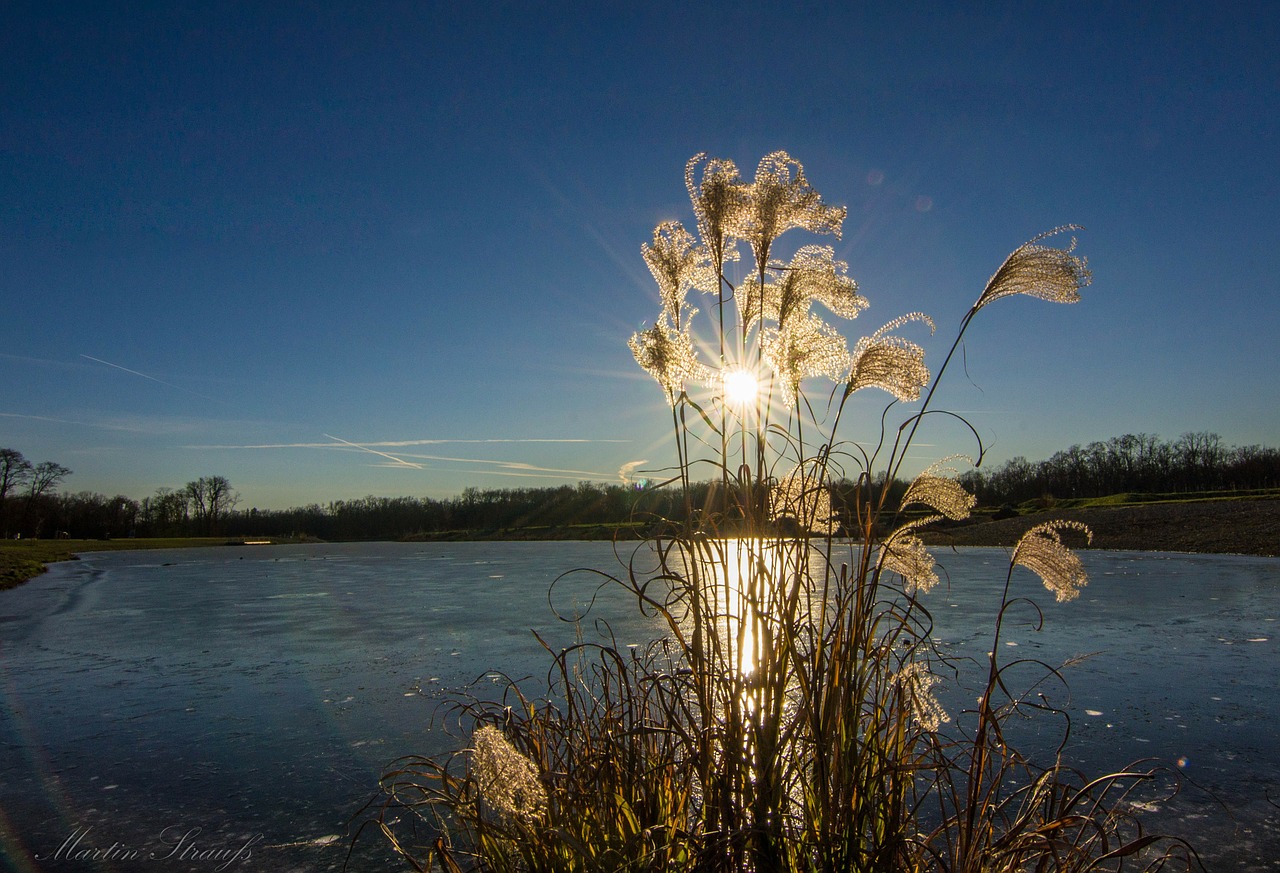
{"x": 1051, "y": 274}
{"x": 781, "y": 199}
{"x": 509, "y": 782}
{"x": 667, "y": 354}
{"x": 1042, "y": 551}
{"x": 788, "y": 717}
{"x": 940, "y": 492}
{"x": 678, "y": 264}
{"x": 889, "y": 362}
{"x": 914, "y": 682}
{"x": 905, "y": 553}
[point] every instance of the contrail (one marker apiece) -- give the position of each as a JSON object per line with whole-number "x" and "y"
{"x": 530, "y": 469}
{"x": 395, "y": 444}
{"x": 627, "y": 471}
{"x": 403, "y": 459}
{"x": 66, "y": 421}
{"x": 399, "y": 461}
{"x": 152, "y": 378}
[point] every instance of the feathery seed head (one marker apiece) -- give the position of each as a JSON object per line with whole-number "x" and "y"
{"x": 936, "y": 489}
{"x": 799, "y": 496}
{"x": 719, "y": 201}
{"x": 779, "y": 199}
{"x": 1039, "y": 271}
{"x": 804, "y": 347}
{"x": 802, "y": 344}
{"x": 1041, "y": 551}
{"x": 904, "y": 553}
{"x": 891, "y": 363}
{"x": 814, "y": 275}
{"x": 667, "y": 354}
{"x": 508, "y": 780}
{"x": 677, "y": 264}
{"x": 915, "y": 683}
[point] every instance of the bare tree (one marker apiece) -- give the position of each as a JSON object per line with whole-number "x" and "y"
{"x": 211, "y": 499}
{"x": 14, "y": 470}
{"x": 43, "y": 477}
{"x": 165, "y": 514}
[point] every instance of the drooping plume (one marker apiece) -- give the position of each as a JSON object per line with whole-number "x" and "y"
{"x": 780, "y": 199}
{"x": 1039, "y": 271}
{"x": 807, "y": 346}
{"x": 1041, "y": 551}
{"x": 667, "y": 354}
{"x": 937, "y": 489}
{"x": 813, "y": 276}
{"x": 800, "y": 344}
{"x": 904, "y": 553}
{"x": 890, "y": 363}
{"x": 803, "y": 497}
{"x": 678, "y": 264}
{"x": 915, "y": 683}
{"x": 719, "y": 201}
{"x": 508, "y": 780}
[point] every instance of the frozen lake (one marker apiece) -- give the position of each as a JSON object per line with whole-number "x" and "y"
{"x": 245, "y": 700}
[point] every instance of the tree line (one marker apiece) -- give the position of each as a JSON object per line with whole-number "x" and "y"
{"x": 1141, "y": 463}
{"x": 30, "y": 507}
{"x": 475, "y": 509}
{"x": 26, "y": 492}
{"x": 209, "y": 506}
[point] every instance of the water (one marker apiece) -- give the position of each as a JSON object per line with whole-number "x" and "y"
{"x": 191, "y": 709}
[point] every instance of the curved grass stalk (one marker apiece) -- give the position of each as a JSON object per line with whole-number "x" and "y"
{"x": 785, "y": 722}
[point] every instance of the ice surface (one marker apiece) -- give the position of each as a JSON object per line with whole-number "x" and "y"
{"x": 257, "y": 693}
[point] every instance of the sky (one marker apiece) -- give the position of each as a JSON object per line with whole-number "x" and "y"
{"x": 334, "y": 250}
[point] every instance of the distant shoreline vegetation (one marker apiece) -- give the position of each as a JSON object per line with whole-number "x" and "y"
{"x": 1131, "y": 465}
{"x": 1190, "y": 494}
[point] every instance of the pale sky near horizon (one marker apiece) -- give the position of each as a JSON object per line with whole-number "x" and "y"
{"x": 330, "y": 250}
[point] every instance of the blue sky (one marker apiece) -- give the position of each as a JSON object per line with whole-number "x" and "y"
{"x": 268, "y": 241}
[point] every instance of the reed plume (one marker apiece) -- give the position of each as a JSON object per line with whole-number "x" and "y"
{"x": 508, "y": 780}
{"x": 890, "y": 363}
{"x": 781, "y": 199}
{"x": 1042, "y": 551}
{"x": 677, "y": 264}
{"x": 667, "y": 354}
{"x": 905, "y": 553}
{"x": 1040, "y": 271}
{"x": 787, "y": 721}
{"x": 942, "y": 493}
{"x": 914, "y": 682}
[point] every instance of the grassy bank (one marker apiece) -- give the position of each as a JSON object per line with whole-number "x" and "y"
{"x": 21, "y": 560}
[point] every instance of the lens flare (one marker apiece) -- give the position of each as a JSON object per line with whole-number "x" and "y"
{"x": 740, "y": 389}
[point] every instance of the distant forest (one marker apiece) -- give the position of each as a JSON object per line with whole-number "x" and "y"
{"x": 1195, "y": 462}
{"x": 1129, "y": 464}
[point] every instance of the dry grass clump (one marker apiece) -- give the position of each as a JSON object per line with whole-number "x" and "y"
{"x": 788, "y": 720}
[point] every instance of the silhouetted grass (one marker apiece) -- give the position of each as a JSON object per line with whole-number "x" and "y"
{"x": 786, "y": 720}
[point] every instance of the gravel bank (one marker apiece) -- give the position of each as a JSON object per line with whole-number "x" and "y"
{"x": 1238, "y": 527}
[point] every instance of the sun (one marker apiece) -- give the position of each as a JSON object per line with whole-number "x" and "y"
{"x": 740, "y": 389}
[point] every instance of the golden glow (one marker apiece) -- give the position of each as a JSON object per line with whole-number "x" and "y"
{"x": 741, "y": 389}
{"x": 742, "y": 579}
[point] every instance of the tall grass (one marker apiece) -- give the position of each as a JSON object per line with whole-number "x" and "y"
{"x": 787, "y": 720}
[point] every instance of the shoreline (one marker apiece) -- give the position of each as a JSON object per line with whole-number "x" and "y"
{"x": 1216, "y": 527}
{"x": 1211, "y": 527}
